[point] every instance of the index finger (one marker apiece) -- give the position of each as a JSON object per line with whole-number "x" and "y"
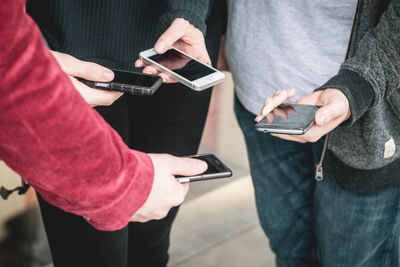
{"x": 272, "y": 102}
{"x": 171, "y": 35}
{"x": 83, "y": 69}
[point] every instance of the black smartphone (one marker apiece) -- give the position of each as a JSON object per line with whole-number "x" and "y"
{"x": 293, "y": 119}
{"x": 134, "y": 83}
{"x": 216, "y": 169}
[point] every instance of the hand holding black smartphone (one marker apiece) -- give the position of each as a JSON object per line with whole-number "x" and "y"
{"x": 134, "y": 83}
{"x": 292, "y": 119}
{"x": 216, "y": 169}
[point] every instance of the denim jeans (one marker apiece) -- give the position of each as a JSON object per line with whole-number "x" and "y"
{"x": 312, "y": 223}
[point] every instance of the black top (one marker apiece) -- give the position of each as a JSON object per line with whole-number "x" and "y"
{"x": 111, "y": 33}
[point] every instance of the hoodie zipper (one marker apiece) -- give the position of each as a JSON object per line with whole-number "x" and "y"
{"x": 319, "y": 172}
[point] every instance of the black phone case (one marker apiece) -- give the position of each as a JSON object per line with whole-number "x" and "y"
{"x": 125, "y": 88}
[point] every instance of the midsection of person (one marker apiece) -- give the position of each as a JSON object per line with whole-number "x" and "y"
{"x": 275, "y": 45}
{"x": 111, "y": 31}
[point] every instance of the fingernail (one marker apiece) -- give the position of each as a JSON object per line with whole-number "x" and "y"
{"x": 108, "y": 75}
{"x": 159, "y": 47}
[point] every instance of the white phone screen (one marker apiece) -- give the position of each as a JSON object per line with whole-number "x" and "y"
{"x": 183, "y": 65}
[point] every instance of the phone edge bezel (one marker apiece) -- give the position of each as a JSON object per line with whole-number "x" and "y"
{"x": 191, "y": 84}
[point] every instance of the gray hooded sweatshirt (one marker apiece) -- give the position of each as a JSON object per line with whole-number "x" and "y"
{"x": 363, "y": 153}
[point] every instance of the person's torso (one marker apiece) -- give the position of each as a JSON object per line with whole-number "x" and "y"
{"x": 107, "y": 32}
{"x": 274, "y": 45}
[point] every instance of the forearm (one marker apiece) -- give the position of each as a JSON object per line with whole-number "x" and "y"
{"x": 51, "y": 137}
{"x": 372, "y": 73}
{"x": 358, "y": 91}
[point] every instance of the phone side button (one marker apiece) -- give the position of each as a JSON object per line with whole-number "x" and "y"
{"x": 183, "y": 180}
{"x": 126, "y": 88}
{"x": 139, "y": 90}
{"x": 102, "y": 85}
{"x": 119, "y": 87}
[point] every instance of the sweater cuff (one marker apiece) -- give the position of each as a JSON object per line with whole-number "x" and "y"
{"x": 195, "y": 19}
{"x": 119, "y": 215}
{"x": 358, "y": 91}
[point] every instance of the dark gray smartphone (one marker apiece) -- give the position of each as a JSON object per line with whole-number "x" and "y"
{"x": 293, "y": 119}
{"x": 216, "y": 169}
{"x": 134, "y": 83}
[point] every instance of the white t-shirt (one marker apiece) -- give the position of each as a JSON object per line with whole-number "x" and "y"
{"x": 285, "y": 44}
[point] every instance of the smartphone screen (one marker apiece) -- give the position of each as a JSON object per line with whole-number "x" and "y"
{"x": 292, "y": 115}
{"x": 211, "y": 163}
{"x": 183, "y": 65}
{"x": 133, "y": 78}
{"x": 288, "y": 119}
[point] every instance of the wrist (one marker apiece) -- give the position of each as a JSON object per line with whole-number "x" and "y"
{"x": 359, "y": 92}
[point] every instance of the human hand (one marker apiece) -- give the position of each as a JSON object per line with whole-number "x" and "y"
{"x": 185, "y": 37}
{"x": 166, "y": 191}
{"x": 334, "y": 109}
{"x": 74, "y": 67}
{"x": 271, "y": 102}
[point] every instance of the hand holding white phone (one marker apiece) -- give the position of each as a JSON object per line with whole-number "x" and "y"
{"x": 183, "y": 68}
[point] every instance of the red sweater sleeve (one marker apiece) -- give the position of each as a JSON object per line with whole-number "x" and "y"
{"x": 53, "y": 139}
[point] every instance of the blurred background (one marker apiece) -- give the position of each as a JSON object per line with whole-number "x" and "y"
{"x": 216, "y": 226}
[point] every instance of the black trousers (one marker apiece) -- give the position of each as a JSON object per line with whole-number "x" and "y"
{"x": 171, "y": 122}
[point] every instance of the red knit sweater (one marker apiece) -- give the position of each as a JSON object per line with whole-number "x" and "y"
{"x": 52, "y": 138}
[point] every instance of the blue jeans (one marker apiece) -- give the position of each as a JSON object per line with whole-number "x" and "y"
{"x": 312, "y": 223}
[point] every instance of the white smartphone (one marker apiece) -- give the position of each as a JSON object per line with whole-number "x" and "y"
{"x": 183, "y": 68}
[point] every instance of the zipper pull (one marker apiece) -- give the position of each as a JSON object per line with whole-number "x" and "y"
{"x": 319, "y": 174}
